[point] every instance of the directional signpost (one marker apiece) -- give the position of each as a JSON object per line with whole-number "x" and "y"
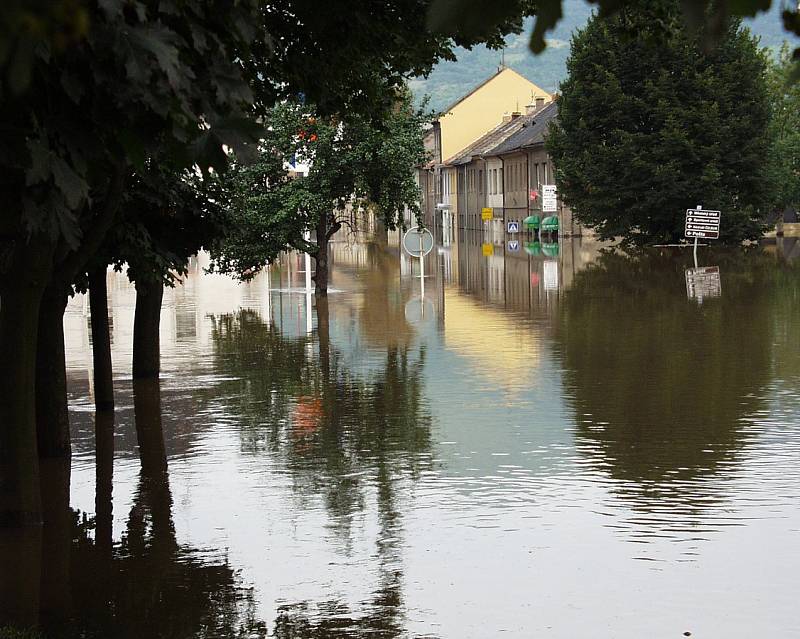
{"x": 513, "y": 227}
{"x": 549, "y": 198}
{"x": 418, "y": 242}
{"x": 702, "y": 282}
{"x": 701, "y": 224}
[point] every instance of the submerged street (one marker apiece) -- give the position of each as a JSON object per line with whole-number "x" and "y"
{"x": 554, "y": 441}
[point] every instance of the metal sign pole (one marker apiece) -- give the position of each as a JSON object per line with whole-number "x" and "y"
{"x": 421, "y": 268}
{"x": 699, "y": 208}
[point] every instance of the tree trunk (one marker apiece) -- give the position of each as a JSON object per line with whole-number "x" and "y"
{"x": 101, "y": 341}
{"x": 20, "y": 569}
{"x": 321, "y": 257}
{"x": 323, "y": 336}
{"x": 56, "y": 542}
{"x": 149, "y": 429}
{"x": 52, "y": 413}
{"x": 154, "y": 492}
{"x": 20, "y": 501}
{"x": 104, "y": 481}
{"x": 21, "y": 289}
{"x": 146, "y": 323}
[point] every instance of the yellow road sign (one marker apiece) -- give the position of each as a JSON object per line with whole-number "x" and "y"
{"x": 488, "y": 250}
{"x": 487, "y": 213}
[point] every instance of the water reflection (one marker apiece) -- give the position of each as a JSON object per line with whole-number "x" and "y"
{"x": 150, "y": 585}
{"x": 664, "y": 390}
{"x": 345, "y": 435}
{"x": 503, "y": 464}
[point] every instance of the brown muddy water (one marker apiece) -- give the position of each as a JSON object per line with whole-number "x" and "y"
{"x": 551, "y": 443}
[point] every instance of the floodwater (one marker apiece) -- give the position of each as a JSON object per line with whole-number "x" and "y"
{"x": 552, "y": 442}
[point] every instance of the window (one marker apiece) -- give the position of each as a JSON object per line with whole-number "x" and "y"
{"x": 544, "y": 173}
{"x": 501, "y": 183}
{"x": 480, "y": 180}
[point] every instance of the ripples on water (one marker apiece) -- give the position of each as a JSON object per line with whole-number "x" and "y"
{"x": 599, "y": 458}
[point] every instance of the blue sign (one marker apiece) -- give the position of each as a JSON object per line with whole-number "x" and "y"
{"x": 513, "y": 246}
{"x": 513, "y": 227}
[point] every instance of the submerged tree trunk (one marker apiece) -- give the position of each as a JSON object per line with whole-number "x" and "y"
{"x": 154, "y": 493}
{"x": 56, "y": 542}
{"x": 146, "y": 324}
{"x": 101, "y": 341}
{"x": 323, "y": 336}
{"x": 52, "y": 414}
{"x": 104, "y": 481}
{"x": 321, "y": 258}
{"x": 326, "y": 228}
{"x": 21, "y": 290}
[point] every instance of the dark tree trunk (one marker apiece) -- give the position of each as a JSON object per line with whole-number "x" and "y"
{"x": 21, "y": 289}
{"x": 52, "y": 414}
{"x": 326, "y": 229}
{"x": 20, "y": 569}
{"x": 56, "y": 542}
{"x": 323, "y": 335}
{"x": 149, "y": 429}
{"x": 154, "y": 494}
{"x": 104, "y": 481}
{"x": 146, "y": 324}
{"x": 321, "y": 257}
{"x": 20, "y": 501}
{"x": 101, "y": 341}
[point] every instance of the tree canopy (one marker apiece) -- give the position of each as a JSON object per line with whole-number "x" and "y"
{"x": 784, "y": 156}
{"x": 354, "y": 161}
{"x": 650, "y": 124}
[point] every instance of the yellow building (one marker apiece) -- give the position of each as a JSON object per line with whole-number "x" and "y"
{"x": 483, "y": 108}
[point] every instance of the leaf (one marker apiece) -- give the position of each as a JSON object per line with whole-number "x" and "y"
{"x": 163, "y": 44}
{"x": 40, "y": 169}
{"x": 112, "y": 8}
{"x": 134, "y": 148}
{"x": 72, "y": 185}
{"x": 546, "y": 19}
{"x": 72, "y": 86}
{"x": 21, "y": 65}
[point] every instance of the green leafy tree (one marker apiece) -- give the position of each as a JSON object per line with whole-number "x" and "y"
{"x": 784, "y": 155}
{"x": 650, "y": 125}
{"x": 355, "y": 162}
{"x": 145, "y": 78}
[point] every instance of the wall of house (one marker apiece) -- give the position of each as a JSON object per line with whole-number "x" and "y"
{"x": 494, "y": 183}
{"x": 481, "y": 110}
{"x": 515, "y": 180}
{"x": 542, "y": 171}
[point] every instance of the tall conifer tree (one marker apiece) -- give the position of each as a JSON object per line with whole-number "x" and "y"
{"x": 652, "y": 122}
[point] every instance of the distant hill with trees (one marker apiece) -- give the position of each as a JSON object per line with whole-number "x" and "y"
{"x": 450, "y": 80}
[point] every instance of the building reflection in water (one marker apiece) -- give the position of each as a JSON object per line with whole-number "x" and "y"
{"x": 547, "y": 409}
{"x": 663, "y": 389}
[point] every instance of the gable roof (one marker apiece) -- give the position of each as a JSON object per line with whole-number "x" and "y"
{"x": 500, "y": 70}
{"x": 503, "y": 132}
{"x": 531, "y": 132}
{"x": 494, "y": 137}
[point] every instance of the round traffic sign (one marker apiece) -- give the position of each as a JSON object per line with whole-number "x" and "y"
{"x": 417, "y": 241}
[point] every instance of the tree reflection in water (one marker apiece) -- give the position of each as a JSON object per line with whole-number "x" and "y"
{"x": 149, "y": 585}
{"x": 342, "y": 436}
{"x": 662, "y": 386}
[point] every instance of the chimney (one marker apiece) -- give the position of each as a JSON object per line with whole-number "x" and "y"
{"x": 539, "y": 103}
{"x": 530, "y": 108}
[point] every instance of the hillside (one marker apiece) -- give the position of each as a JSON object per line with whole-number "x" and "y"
{"x": 450, "y": 80}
